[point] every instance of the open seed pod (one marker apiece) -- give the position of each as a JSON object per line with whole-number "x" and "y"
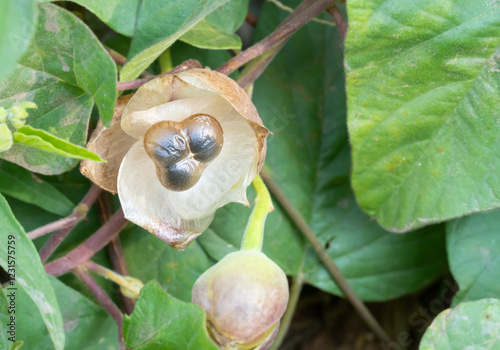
{"x": 181, "y": 147}
{"x": 244, "y": 296}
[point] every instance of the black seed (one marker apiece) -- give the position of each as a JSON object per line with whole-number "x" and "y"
{"x": 205, "y": 136}
{"x": 182, "y": 176}
{"x": 182, "y": 151}
{"x": 165, "y": 145}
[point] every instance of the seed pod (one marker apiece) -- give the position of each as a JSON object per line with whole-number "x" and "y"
{"x": 244, "y": 296}
{"x": 167, "y": 190}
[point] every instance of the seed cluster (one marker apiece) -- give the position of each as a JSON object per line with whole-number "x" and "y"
{"x": 181, "y": 151}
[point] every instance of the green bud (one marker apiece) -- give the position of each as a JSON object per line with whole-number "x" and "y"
{"x": 17, "y": 117}
{"x": 244, "y": 296}
{"x": 6, "y": 139}
{"x": 137, "y": 286}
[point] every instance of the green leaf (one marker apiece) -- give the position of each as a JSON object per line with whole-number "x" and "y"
{"x": 62, "y": 70}
{"x": 17, "y": 25}
{"x": 23, "y": 185}
{"x": 472, "y": 325}
{"x": 30, "y": 217}
{"x": 473, "y": 247}
{"x": 8, "y": 323}
{"x": 86, "y": 325}
{"x": 29, "y": 273}
{"x": 206, "y": 36}
{"x": 120, "y": 15}
{"x": 5, "y": 319}
{"x": 229, "y": 17}
{"x": 159, "y": 25}
{"x": 216, "y": 31}
{"x": 40, "y": 139}
{"x": 162, "y": 322}
{"x": 423, "y": 85}
{"x": 175, "y": 271}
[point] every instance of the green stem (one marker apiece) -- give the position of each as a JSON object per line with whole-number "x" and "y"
{"x": 165, "y": 61}
{"x": 254, "y": 233}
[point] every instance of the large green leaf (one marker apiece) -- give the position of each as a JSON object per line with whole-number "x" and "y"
{"x": 86, "y": 325}
{"x": 473, "y": 244}
{"x": 29, "y": 272}
{"x": 159, "y": 24}
{"x": 17, "y": 25}
{"x": 62, "y": 70}
{"x": 162, "y": 322}
{"x": 21, "y": 184}
{"x": 472, "y": 325}
{"x": 423, "y": 85}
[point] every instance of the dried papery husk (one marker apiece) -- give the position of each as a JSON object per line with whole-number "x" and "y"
{"x": 111, "y": 144}
{"x": 178, "y": 217}
{"x": 244, "y": 296}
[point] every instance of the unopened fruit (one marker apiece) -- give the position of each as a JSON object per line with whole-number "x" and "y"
{"x": 244, "y": 296}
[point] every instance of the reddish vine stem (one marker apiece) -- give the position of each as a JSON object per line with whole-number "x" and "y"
{"x": 121, "y": 60}
{"x": 257, "y": 67}
{"x": 78, "y": 214}
{"x": 103, "y": 298}
{"x": 51, "y": 227}
{"x": 340, "y": 22}
{"x": 115, "y": 250}
{"x": 119, "y": 265}
{"x": 259, "y": 64}
{"x": 87, "y": 249}
{"x": 332, "y": 268}
{"x": 135, "y": 84}
{"x": 306, "y": 11}
{"x": 117, "y": 57}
